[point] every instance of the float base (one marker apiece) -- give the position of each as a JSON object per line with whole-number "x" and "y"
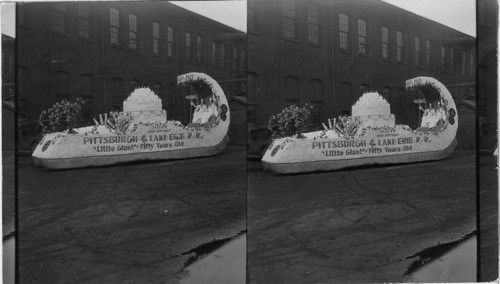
{"x": 315, "y": 166}
{"x": 96, "y": 161}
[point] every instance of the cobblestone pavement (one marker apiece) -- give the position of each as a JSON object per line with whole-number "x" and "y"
{"x": 128, "y": 223}
{"x": 360, "y": 225}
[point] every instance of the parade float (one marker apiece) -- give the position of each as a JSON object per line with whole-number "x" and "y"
{"x": 142, "y": 131}
{"x": 370, "y": 135}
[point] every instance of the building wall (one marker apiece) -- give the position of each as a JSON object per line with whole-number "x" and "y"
{"x": 487, "y": 91}
{"x": 344, "y": 72}
{"x": 63, "y": 64}
{"x": 8, "y": 67}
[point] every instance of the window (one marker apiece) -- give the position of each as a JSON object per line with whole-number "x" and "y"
{"x": 399, "y": 46}
{"x": 59, "y": 17}
{"x": 316, "y": 90}
{"x": 316, "y": 111}
{"x": 116, "y": 90}
{"x": 428, "y": 53}
{"x": 199, "y": 49}
{"x": 385, "y": 42}
{"x": 242, "y": 60}
{"x": 170, "y": 43}
{"x": 61, "y": 86}
{"x": 316, "y": 95}
{"x": 417, "y": 50}
{"x": 83, "y": 20}
{"x": 313, "y": 23}
{"x": 443, "y": 59}
{"x": 214, "y": 54}
{"x": 188, "y": 47}
{"x": 223, "y": 56}
{"x": 472, "y": 67}
{"x": 289, "y": 19}
{"x": 235, "y": 59}
{"x": 292, "y": 91}
{"x": 252, "y": 113}
{"x": 87, "y": 88}
{"x": 344, "y": 31}
{"x": 346, "y": 98}
{"x": 132, "y": 31}
{"x": 114, "y": 22}
{"x": 464, "y": 63}
{"x": 453, "y": 64}
{"x": 362, "y": 42}
{"x": 87, "y": 93}
{"x": 156, "y": 37}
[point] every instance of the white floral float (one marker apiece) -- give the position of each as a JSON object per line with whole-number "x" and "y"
{"x": 371, "y": 136}
{"x": 140, "y": 132}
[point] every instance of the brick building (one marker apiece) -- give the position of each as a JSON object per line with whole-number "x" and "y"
{"x": 101, "y": 51}
{"x": 328, "y": 53}
{"x": 8, "y": 91}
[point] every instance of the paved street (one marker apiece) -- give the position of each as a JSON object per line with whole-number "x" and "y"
{"x": 361, "y": 225}
{"x": 128, "y": 223}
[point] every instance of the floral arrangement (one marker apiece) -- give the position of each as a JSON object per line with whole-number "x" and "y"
{"x": 62, "y": 116}
{"x": 118, "y": 122}
{"x": 291, "y": 121}
{"x": 427, "y": 90}
{"x": 347, "y": 126}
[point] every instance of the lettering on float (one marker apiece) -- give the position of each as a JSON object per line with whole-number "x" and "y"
{"x": 383, "y": 144}
{"x": 152, "y": 141}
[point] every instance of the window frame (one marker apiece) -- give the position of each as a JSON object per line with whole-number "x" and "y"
{"x": 343, "y": 32}
{"x": 464, "y": 63}
{"x": 443, "y": 59}
{"x": 235, "y": 58}
{"x": 84, "y": 20}
{"x": 288, "y": 15}
{"x": 156, "y": 34}
{"x": 363, "y": 45}
{"x": 428, "y": 53}
{"x": 59, "y": 14}
{"x": 114, "y": 24}
{"x": 223, "y": 56}
{"x": 385, "y": 42}
{"x": 170, "y": 42}
{"x": 199, "y": 49}
{"x": 133, "y": 24}
{"x": 188, "y": 47}
{"x": 313, "y": 24}
{"x": 399, "y": 46}
{"x": 417, "y": 51}
{"x": 214, "y": 54}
